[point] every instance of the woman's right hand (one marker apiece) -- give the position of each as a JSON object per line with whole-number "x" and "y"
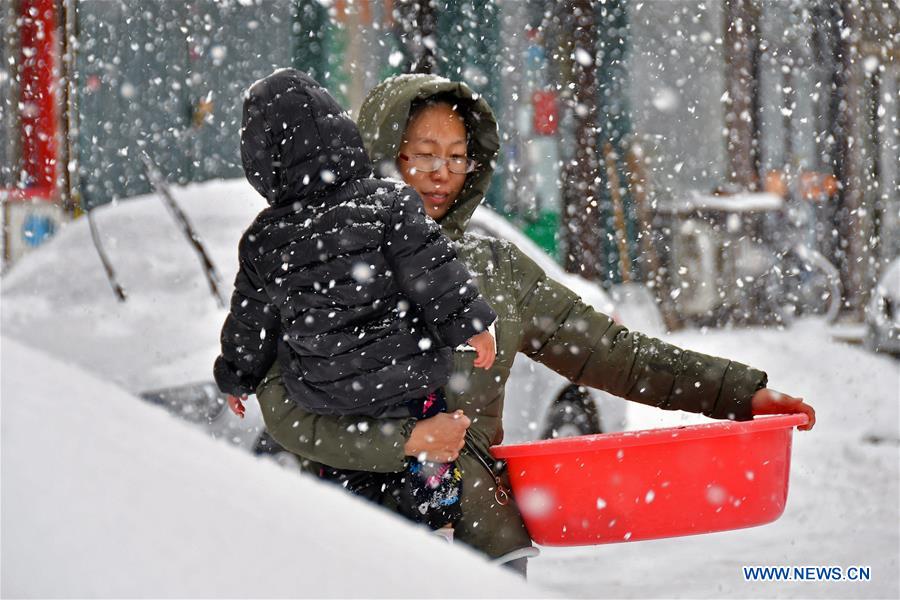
{"x": 438, "y": 438}
{"x": 769, "y": 402}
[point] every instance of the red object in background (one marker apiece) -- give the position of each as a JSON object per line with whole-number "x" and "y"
{"x": 38, "y": 96}
{"x": 642, "y": 485}
{"x": 810, "y": 185}
{"x": 818, "y": 186}
{"x": 546, "y": 112}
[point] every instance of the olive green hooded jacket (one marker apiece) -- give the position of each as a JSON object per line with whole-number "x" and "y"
{"x": 536, "y": 316}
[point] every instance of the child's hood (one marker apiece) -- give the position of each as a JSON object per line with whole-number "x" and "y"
{"x": 296, "y": 141}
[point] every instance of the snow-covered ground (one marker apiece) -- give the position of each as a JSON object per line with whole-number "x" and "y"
{"x": 106, "y": 496}
{"x": 100, "y": 492}
{"x": 842, "y": 505}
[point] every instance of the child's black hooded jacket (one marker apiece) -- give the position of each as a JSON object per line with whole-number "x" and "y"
{"x": 348, "y": 271}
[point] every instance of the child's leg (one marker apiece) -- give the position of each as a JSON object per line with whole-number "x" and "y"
{"x": 430, "y": 493}
{"x": 371, "y": 486}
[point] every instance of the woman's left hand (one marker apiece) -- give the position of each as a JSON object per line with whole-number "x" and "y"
{"x": 769, "y": 402}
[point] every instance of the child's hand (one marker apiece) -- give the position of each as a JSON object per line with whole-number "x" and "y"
{"x": 485, "y": 349}
{"x": 769, "y": 402}
{"x": 237, "y": 404}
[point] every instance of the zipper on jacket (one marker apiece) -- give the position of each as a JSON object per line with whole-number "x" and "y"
{"x": 501, "y": 495}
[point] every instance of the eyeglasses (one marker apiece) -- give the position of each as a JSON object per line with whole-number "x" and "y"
{"x": 429, "y": 163}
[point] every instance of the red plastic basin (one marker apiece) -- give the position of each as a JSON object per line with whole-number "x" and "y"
{"x": 657, "y": 483}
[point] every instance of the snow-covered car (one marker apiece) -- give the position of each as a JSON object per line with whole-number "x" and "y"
{"x": 883, "y": 312}
{"x": 160, "y": 342}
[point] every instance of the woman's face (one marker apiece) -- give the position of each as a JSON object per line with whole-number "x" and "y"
{"x": 437, "y": 130}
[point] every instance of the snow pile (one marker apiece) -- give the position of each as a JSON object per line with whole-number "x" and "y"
{"x": 105, "y": 496}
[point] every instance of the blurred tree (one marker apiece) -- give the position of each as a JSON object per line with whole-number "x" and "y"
{"x": 581, "y": 175}
{"x": 742, "y": 49}
{"x": 310, "y": 24}
{"x": 849, "y": 159}
{"x": 613, "y": 127}
{"x": 415, "y": 24}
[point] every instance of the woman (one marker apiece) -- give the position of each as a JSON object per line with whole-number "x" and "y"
{"x": 442, "y": 138}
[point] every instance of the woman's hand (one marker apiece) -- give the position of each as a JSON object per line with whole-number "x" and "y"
{"x": 770, "y": 402}
{"x": 438, "y": 438}
{"x": 237, "y": 405}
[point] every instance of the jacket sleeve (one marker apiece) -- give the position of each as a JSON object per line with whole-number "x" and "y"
{"x": 249, "y": 336}
{"x": 348, "y": 442}
{"x": 591, "y": 349}
{"x": 430, "y": 275}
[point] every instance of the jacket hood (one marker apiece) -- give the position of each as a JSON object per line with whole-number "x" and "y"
{"x": 382, "y": 121}
{"x": 296, "y": 141}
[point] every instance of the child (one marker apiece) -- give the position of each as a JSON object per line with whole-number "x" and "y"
{"x": 348, "y": 283}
